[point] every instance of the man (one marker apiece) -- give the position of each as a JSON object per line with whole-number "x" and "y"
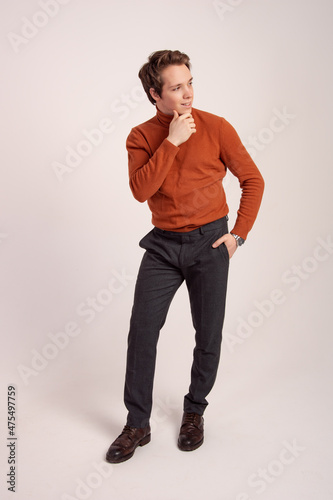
{"x": 177, "y": 161}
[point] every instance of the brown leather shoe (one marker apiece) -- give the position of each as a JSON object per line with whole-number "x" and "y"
{"x": 124, "y": 446}
{"x": 191, "y": 433}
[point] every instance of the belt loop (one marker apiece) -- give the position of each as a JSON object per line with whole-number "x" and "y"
{"x": 201, "y": 230}
{"x": 227, "y": 218}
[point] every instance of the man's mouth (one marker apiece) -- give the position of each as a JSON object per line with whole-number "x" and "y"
{"x": 187, "y": 104}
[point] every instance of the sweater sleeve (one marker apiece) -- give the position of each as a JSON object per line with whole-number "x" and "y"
{"x": 239, "y": 162}
{"x": 147, "y": 172}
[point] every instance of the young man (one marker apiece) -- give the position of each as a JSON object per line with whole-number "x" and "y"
{"x": 177, "y": 161}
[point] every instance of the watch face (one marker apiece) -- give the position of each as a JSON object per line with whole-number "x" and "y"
{"x": 238, "y": 239}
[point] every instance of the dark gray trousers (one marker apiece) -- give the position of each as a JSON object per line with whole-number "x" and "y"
{"x": 170, "y": 258}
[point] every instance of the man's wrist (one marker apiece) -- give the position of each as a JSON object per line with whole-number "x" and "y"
{"x": 239, "y": 241}
{"x": 173, "y": 141}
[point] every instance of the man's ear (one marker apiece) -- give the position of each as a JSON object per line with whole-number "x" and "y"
{"x": 154, "y": 94}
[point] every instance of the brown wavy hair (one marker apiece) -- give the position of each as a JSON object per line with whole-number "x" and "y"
{"x": 150, "y": 72}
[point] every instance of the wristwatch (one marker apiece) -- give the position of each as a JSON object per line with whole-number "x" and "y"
{"x": 238, "y": 239}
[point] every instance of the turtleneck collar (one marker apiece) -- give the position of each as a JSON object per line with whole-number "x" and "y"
{"x": 163, "y": 118}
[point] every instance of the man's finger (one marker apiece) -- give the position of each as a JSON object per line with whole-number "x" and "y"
{"x": 218, "y": 242}
{"x": 185, "y": 116}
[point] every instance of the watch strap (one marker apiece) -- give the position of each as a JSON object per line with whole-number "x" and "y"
{"x": 240, "y": 241}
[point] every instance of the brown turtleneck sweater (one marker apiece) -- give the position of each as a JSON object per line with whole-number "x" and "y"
{"x": 183, "y": 184}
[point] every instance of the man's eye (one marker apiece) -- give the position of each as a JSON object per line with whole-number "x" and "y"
{"x": 177, "y": 88}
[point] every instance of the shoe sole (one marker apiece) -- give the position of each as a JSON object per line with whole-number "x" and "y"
{"x": 143, "y": 442}
{"x": 192, "y": 448}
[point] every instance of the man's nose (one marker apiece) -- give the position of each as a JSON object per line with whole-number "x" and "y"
{"x": 188, "y": 92}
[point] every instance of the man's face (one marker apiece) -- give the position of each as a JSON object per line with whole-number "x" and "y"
{"x": 177, "y": 91}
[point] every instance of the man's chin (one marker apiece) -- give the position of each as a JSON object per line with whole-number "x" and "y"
{"x": 184, "y": 109}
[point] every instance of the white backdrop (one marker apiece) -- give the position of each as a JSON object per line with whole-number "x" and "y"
{"x": 69, "y": 254}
